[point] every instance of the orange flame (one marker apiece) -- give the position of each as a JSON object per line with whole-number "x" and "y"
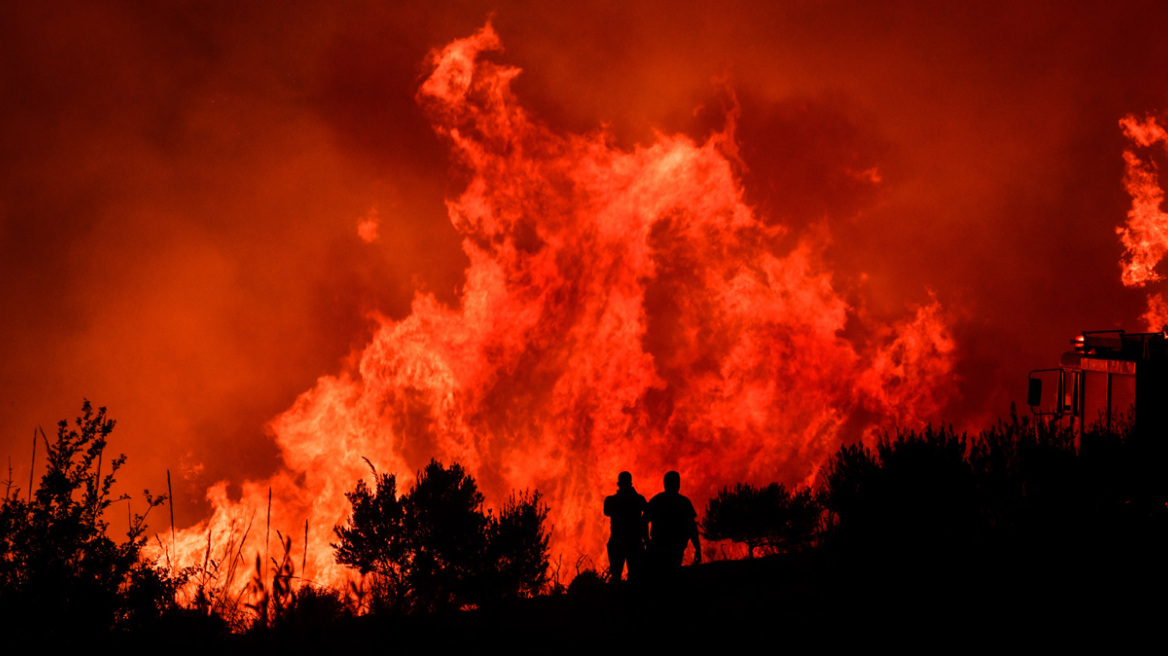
{"x": 622, "y": 310}
{"x": 1145, "y": 237}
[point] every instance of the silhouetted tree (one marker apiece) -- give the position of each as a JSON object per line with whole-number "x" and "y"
{"x": 57, "y": 562}
{"x": 1035, "y": 484}
{"x": 374, "y": 540}
{"x": 768, "y": 517}
{"x": 435, "y": 547}
{"x": 517, "y": 547}
{"x": 445, "y": 529}
{"x": 926, "y": 491}
{"x": 847, "y": 479}
{"x": 804, "y": 514}
{"x": 744, "y": 514}
{"x": 917, "y": 490}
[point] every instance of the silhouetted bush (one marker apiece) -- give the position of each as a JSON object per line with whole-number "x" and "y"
{"x": 446, "y": 532}
{"x": 917, "y": 490}
{"x": 770, "y": 517}
{"x": 587, "y": 581}
{"x": 926, "y": 490}
{"x": 374, "y": 541}
{"x": 1029, "y": 476}
{"x": 517, "y": 548}
{"x": 435, "y": 548}
{"x": 317, "y": 608}
{"x": 846, "y": 494}
{"x": 1037, "y": 484}
{"x": 57, "y": 563}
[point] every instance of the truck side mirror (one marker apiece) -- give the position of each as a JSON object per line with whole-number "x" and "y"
{"x": 1034, "y": 394}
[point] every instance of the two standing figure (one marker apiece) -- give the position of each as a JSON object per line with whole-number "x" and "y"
{"x": 665, "y": 525}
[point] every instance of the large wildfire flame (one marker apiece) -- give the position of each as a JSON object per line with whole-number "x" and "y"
{"x": 1145, "y": 237}
{"x": 621, "y": 311}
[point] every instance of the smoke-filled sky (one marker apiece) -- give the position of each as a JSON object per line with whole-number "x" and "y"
{"x": 183, "y": 183}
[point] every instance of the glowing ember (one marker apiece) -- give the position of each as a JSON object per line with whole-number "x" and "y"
{"x": 621, "y": 311}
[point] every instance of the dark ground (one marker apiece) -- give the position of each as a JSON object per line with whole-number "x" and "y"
{"x": 824, "y": 600}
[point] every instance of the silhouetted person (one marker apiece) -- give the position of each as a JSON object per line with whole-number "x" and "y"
{"x": 626, "y": 541}
{"x": 672, "y": 519}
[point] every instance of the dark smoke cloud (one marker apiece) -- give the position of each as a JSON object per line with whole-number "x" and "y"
{"x": 181, "y": 184}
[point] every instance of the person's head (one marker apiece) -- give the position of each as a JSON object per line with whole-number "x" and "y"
{"x": 624, "y": 480}
{"x": 672, "y": 481}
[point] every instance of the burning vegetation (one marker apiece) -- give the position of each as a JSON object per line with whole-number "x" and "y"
{"x": 954, "y": 525}
{"x": 689, "y": 300}
{"x": 621, "y": 310}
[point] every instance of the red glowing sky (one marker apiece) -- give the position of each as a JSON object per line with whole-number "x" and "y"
{"x": 182, "y": 185}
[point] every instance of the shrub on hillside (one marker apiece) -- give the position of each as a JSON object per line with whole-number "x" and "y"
{"x": 435, "y": 548}
{"x": 57, "y": 562}
{"x": 769, "y": 517}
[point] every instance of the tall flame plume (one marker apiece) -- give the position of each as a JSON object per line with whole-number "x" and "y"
{"x": 1145, "y": 236}
{"x": 622, "y": 310}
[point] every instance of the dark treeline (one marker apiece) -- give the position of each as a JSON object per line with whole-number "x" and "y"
{"x": 1019, "y": 484}
{"x": 433, "y": 550}
{"x": 1026, "y": 519}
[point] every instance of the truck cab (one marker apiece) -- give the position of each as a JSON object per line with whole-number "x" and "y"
{"x": 1110, "y": 380}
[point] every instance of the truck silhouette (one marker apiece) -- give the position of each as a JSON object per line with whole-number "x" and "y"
{"x": 1110, "y": 379}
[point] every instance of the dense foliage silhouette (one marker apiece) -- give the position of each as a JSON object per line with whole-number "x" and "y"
{"x": 374, "y": 543}
{"x": 517, "y": 548}
{"x": 1027, "y": 520}
{"x": 434, "y": 548}
{"x": 1020, "y": 485}
{"x": 771, "y": 517}
{"x": 57, "y": 563}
